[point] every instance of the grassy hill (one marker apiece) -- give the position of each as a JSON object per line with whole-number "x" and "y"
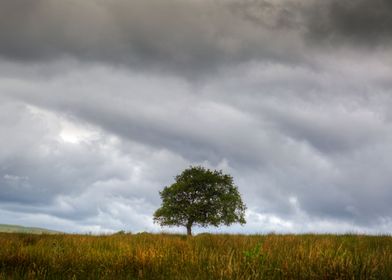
{"x": 20, "y": 229}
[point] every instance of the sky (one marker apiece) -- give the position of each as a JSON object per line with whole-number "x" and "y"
{"x": 103, "y": 103}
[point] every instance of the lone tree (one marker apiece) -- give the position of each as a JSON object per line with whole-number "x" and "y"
{"x": 200, "y": 197}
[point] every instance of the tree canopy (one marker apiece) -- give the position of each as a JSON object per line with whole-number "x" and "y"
{"x": 200, "y": 197}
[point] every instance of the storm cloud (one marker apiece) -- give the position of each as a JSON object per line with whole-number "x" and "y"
{"x": 362, "y": 22}
{"x": 102, "y": 103}
{"x": 189, "y": 37}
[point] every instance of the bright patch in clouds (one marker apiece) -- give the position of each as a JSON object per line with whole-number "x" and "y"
{"x": 72, "y": 133}
{"x": 69, "y": 131}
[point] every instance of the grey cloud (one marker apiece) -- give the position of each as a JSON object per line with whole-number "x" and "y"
{"x": 363, "y": 22}
{"x": 90, "y": 185}
{"x": 333, "y": 130}
{"x": 164, "y": 121}
{"x": 318, "y": 148}
{"x": 36, "y": 167}
{"x": 187, "y": 37}
{"x": 275, "y": 15}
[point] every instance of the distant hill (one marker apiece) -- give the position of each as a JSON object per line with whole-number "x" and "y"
{"x": 21, "y": 229}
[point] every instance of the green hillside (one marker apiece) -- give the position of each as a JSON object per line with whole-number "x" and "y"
{"x": 20, "y": 229}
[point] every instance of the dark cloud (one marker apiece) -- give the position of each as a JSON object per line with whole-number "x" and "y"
{"x": 363, "y": 22}
{"x": 275, "y": 15}
{"x": 189, "y": 37}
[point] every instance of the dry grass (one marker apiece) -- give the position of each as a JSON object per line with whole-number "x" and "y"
{"x": 162, "y": 256}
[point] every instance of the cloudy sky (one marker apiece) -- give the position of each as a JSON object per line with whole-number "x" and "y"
{"x": 103, "y": 102}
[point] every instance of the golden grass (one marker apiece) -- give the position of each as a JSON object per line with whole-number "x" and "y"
{"x": 164, "y": 256}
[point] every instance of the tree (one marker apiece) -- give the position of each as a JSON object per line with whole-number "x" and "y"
{"x": 200, "y": 197}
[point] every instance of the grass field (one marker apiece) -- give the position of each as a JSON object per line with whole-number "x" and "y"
{"x": 163, "y": 256}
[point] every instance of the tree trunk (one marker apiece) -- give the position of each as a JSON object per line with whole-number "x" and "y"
{"x": 189, "y": 229}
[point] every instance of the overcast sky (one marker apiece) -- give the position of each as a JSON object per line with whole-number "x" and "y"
{"x": 102, "y": 103}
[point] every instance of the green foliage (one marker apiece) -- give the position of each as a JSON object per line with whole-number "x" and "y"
{"x": 200, "y": 197}
{"x": 206, "y": 256}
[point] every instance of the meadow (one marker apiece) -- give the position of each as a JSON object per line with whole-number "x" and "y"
{"x": 206, "y": 256}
